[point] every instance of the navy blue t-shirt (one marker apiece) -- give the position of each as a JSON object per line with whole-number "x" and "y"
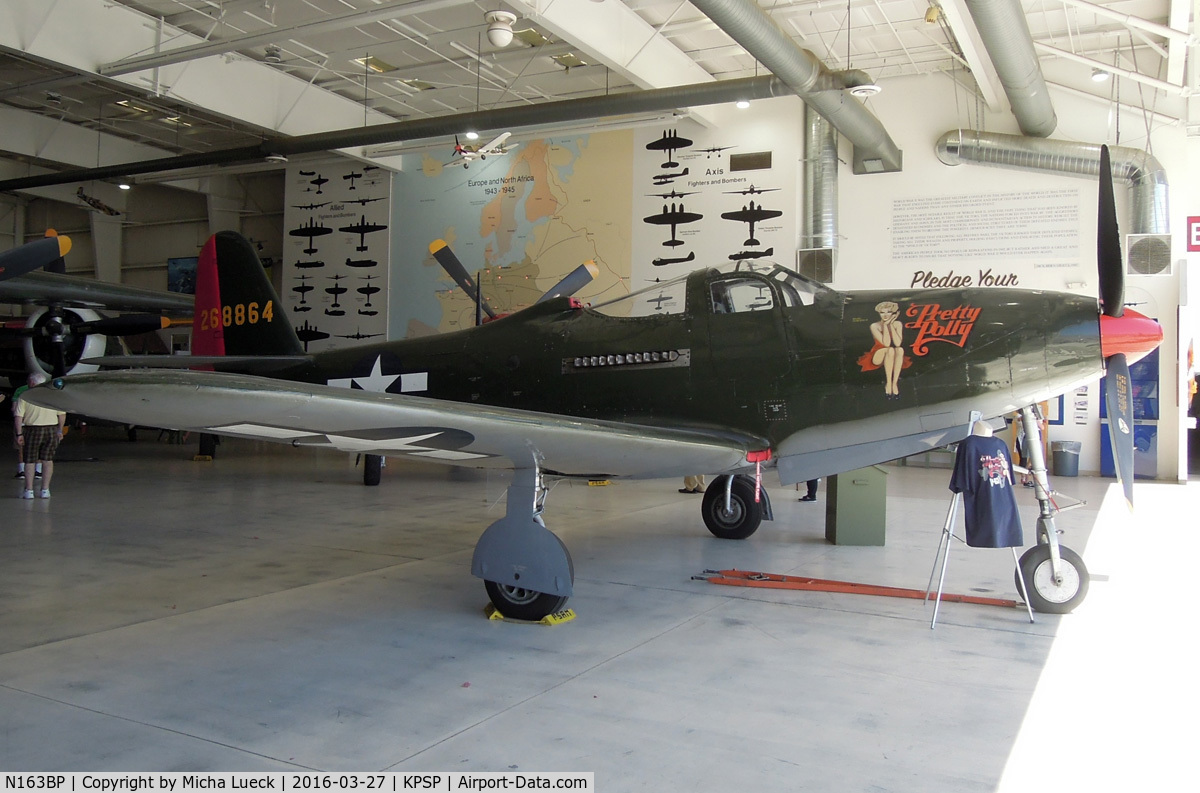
{"x": 983, "y": 474}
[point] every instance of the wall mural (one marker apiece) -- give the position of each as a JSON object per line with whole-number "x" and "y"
{"x": 335, "y": 252}
{"x": 519, "y": 222}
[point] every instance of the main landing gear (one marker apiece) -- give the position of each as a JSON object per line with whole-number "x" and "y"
{"x": 1055, "y": 576}
{"x": 730, "y": 510}
{"x": 525, "y": 568}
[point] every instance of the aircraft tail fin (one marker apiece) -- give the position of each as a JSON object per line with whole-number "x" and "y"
{"x": 237, "y": 309}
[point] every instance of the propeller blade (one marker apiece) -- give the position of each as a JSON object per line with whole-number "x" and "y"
{"x": 1108, "y": 244}
{"x": 32, "y": 255}
{"x": 125, "y": 325}
{"x": 1119, "y": 401}
{"x": 450, "y": 263}
{"x": 577, "y": 279}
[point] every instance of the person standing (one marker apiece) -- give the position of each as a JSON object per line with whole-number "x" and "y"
{"x": 39, "y": 431}
{"x": 693, "y": 484}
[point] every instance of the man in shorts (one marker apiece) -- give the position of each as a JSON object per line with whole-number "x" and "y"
{"x": 39, "y": 431}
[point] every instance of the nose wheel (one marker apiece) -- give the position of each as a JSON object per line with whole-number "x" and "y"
{"x": 1050, "y": 593}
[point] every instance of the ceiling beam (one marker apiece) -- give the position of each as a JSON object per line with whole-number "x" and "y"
{"x": 618, "y": 37}
{"x": 64, "y": 33}
{"x": 969, "y": 41}
{"x": 321, "y": 24}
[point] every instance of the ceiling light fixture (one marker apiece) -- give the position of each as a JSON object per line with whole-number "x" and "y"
{"x": 865, "y": 90}
{"x": 472, "y": 135}
{"x": 124, "y": 186}
{"x": 500, "y": 23}
{"x": 742, "y": 104}
{"x": 1099, "y": 75}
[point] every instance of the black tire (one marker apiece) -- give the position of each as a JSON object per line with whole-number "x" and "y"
{"x": 744, "y": 514}
{"x": 372, "y": 469}
{"x": 519, "y": 603}
{"x": 523, "y": 604}
{"x": 1044, "y": 595}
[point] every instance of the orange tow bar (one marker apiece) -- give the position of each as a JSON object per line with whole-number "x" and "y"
{"x": 775, "y": 581}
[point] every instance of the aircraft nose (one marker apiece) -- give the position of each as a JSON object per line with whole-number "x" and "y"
{"x": 1131, "y": 333}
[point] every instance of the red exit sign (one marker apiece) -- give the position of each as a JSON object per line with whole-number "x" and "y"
{"x": 1193, "y": 234}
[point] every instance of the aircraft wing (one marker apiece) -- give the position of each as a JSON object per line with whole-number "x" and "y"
{"x": 394, "y": 424}
{"x": 40, "y": 288}
{"x": 494, "y": 144}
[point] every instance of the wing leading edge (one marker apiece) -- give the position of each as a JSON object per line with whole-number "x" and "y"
{"x": 395, "y": 424}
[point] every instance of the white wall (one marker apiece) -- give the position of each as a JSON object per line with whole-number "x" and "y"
{"x": 916, "y": 112}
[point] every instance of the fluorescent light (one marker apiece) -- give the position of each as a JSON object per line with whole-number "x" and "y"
{"x": 124, "y": 186}
{"x": 742, "y": 104}
{"x": 472, "y": 135}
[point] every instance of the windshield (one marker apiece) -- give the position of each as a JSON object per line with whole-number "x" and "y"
{"x": 797, "y": 290}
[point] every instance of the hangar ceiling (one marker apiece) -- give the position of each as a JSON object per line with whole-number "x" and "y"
{"x": 85, "y": 83}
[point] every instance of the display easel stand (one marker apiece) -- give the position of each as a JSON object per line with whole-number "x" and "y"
{"x": 944, "y": 555}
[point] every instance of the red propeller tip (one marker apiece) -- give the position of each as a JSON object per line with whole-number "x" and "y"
{"x": 1131, "y": 333}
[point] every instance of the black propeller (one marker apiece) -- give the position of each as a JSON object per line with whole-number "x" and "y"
{"x": 1117, "y": 391}
{"x": 450, "y": 263}
{"x": 32, "y": 255}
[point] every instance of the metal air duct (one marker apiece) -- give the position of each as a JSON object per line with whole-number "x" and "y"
{"x": 1005, "y": 34}
{"x": 817, "y": 257}
{"x": 1145, "y": 176}
{"x": 749, "y": 26}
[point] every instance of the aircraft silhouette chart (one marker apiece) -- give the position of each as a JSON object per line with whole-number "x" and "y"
{"x": 337, "y": 290}
{"x": 747, "y": 367}
{"x": 362, "y": 201}
{"x": 320, "y": 180}
{"x": 752, "y": 190}
{"x": 312, "y": 230}
{"x": 306, "y": 333}
{"x": 670, "y": 142}
{"x": 361, "y": 263}
{"x": 312, "y": 206}
{"x": 468, "y": 153}
{"x": 742, "y": 255}
{"x": 710, "y": 151}
{"x": 672, "y": 194}
{"x": 751, "y": 215}
{"x": 366, "y": 292}
{"x": 662, "y": 179}
{"x": 362, "y": 228}
{"x": 350, "y": 177}
{"x": 673, "y": 217}
{"x": 311, "y": 265}
{"x": 359, "y": 335}
{"x": 303, "y": 288}
{"x": 662, "y": 262}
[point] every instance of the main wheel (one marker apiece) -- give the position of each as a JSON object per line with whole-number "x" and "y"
{"x": 519, "y": 603}
{"x": 744, "y": 513}
{"x": 523, "y": 604}
{"x": 372, "y": 469}
{"x": 1045, "y": 594}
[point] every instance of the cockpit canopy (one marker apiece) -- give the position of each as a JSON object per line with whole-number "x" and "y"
{"x": 733, "y": 288}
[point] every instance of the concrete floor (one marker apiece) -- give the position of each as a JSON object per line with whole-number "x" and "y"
{"x": 268, "y": 612}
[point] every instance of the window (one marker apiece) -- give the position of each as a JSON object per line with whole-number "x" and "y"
{"x": 661, "y": 299}
{"x": 741, "y": 294}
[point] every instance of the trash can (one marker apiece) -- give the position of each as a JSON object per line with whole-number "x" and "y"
{"x": 1066, "y": 457}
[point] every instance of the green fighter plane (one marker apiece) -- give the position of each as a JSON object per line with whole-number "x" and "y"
{"x": 726, "y": 370}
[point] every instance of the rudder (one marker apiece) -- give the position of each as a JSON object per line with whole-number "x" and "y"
{"x": 237, "y": 309}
